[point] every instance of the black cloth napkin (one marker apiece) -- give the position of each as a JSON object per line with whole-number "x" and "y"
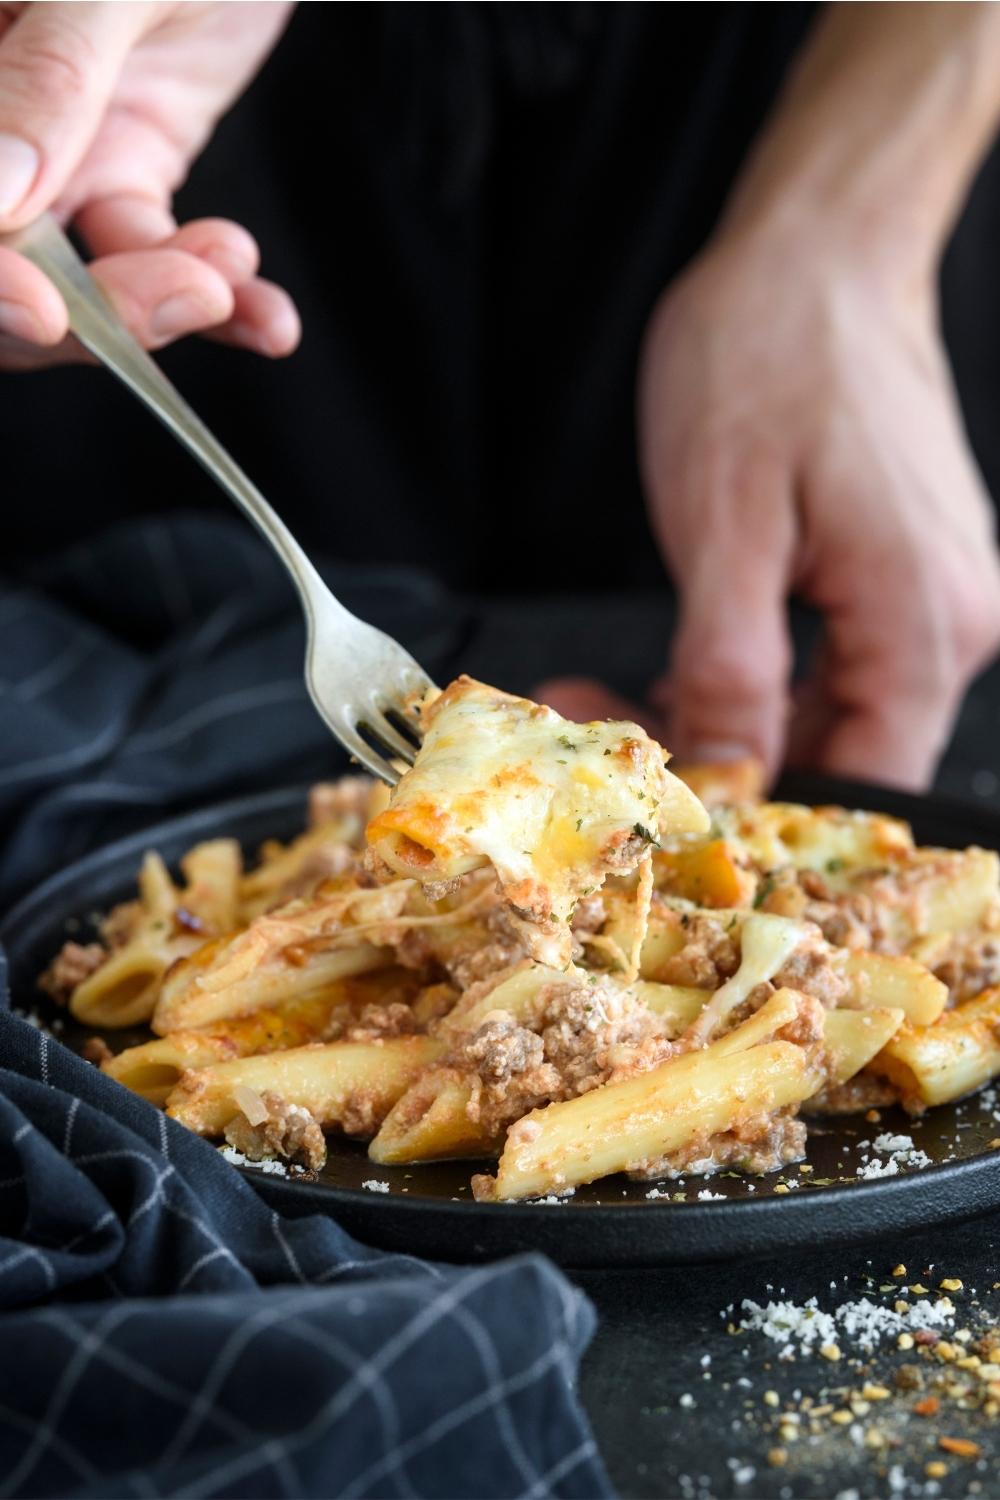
{"x": 163, "y": 1332}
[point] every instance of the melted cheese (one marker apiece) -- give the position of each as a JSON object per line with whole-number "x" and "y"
{"x": 553, "y": 806}
{"x": 766, "y": 942}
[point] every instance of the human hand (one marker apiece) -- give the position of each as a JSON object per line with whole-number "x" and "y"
{"x": 103, "y": 107}
{"x": 798, "y": 430}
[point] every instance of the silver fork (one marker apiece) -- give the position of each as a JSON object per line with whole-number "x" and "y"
{"x": 356, "y": 675}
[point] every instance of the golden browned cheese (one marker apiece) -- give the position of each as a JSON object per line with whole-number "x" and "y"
{"x": 554, "y": 807}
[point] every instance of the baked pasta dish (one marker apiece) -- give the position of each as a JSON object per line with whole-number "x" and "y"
{"x": 543, "y": 950}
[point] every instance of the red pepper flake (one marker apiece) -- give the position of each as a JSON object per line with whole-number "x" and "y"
{"x": 928, "y": 1406}
{"x": 962, "y": 1447}
{"x": 928, "y": 1336}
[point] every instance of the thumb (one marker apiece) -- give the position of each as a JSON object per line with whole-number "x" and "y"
{"x": 59, "y": 64}
{"x": 731, "y": 658}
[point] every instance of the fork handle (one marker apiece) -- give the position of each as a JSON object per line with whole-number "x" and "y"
{"x": 98, "y": 327}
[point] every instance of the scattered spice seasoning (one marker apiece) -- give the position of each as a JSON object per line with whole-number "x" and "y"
{"x": 961, "y": 1447}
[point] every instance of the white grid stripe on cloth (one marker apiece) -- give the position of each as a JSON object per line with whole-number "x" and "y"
{"x": 88, "y": 1343}
{"x": 286, "y": 1249}
{"x": 450, "y": 1420}
{"x": 66, "y": 1451}
{"x": 365, "y": 1371}
{"x": 98, "y": 1348}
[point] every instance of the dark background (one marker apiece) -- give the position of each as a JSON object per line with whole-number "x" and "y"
{"x": 475, "y": 207}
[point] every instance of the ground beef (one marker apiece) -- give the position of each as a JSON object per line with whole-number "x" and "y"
{"x": 348, "y": 797}
{"x": 762, "y": 1143}
{"x": 362, "y": 1115}
{"x": 320, "y": 864}
{"x": 96, "y": 1050}
{"x": 118, "y": 927}
{"x": 591, "y": 1031}
{"x": 848, "y": 919}
{"x": 863, "y": 1091}
{"x": 484, "y": 963}
{"x": 811, "y": 971}
{"x": 708, "y": 958}
{"x": 414, "y": 948}
{"x": 494, "y": 1107}
{"x": 590, "y": 913}
{"x": 582, "y": 1035}
{"x": 622, "y": 852}
{"x": 377, "y": 1021}
{"x": 500, "y": 1047}
{"x": 289, "y": 1131}
{"x": 807, "y": 1029}
{"x": 74, "y": 963}
{"x": 853, "y": 922}
{"x": 971, "y": 964}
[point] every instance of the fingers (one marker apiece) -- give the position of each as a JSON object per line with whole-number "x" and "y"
{"x": 58, "y": 67}
{"x": 160, "y": 295}
{"x": 30, "y": 307}
{"x": 264, "y": 320}
{"x": 163, "y": 294}
{"x": 899, "y": 658}
{"x": 133, "y": 222}
{"x": 127, "y": 221}
{"x": 731, "y": 657}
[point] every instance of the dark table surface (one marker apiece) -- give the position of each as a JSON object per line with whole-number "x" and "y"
{"x": 662, "y": 1343}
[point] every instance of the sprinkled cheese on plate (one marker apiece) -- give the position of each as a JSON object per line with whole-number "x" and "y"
{"x": 268, "y": 1165}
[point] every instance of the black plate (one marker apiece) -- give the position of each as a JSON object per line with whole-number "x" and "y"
{"x": 428, "y": 1209}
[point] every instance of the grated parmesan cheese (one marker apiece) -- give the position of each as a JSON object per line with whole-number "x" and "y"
{"x": 268, "y": 1165}
{"x": 808, "y": 1327}
{"x": 374, "y": 1186}
{"x": 900, "y": 1151}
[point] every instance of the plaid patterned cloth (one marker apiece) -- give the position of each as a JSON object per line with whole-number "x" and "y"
{"x": 163, "y": 1332}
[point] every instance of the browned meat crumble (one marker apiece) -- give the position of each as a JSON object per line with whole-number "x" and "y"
{"x": 289, "y": 1131}
{"x": 863, "y": 1091}
{"x": 345, "y": 798}
{"x": 585, "y": 1035}
{"x": 971, "y": 964}
{"x": 709, "y": 957}
{"x": 74, "y": 963}
{"x": 375, "y": 1021}
{"x": 762, "y": 1143}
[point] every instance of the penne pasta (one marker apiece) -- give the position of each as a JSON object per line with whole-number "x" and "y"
{"x": 958, "y": 1054}
{"x": 212, "y": 879}
{"x": 854, "y": 1037}
{"x": 879, "y": 980}
{"x": 623, "y": 1125}
{"x": 709, "y": 873}
{"x": 154, "y": 1068}
{"x": 352, "y": 1085}
{"x": 546, "y": 956}
{"x": 432, "y": 1120}
{"x": 192, "y": 995}
{"x": 167, "y": 924}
